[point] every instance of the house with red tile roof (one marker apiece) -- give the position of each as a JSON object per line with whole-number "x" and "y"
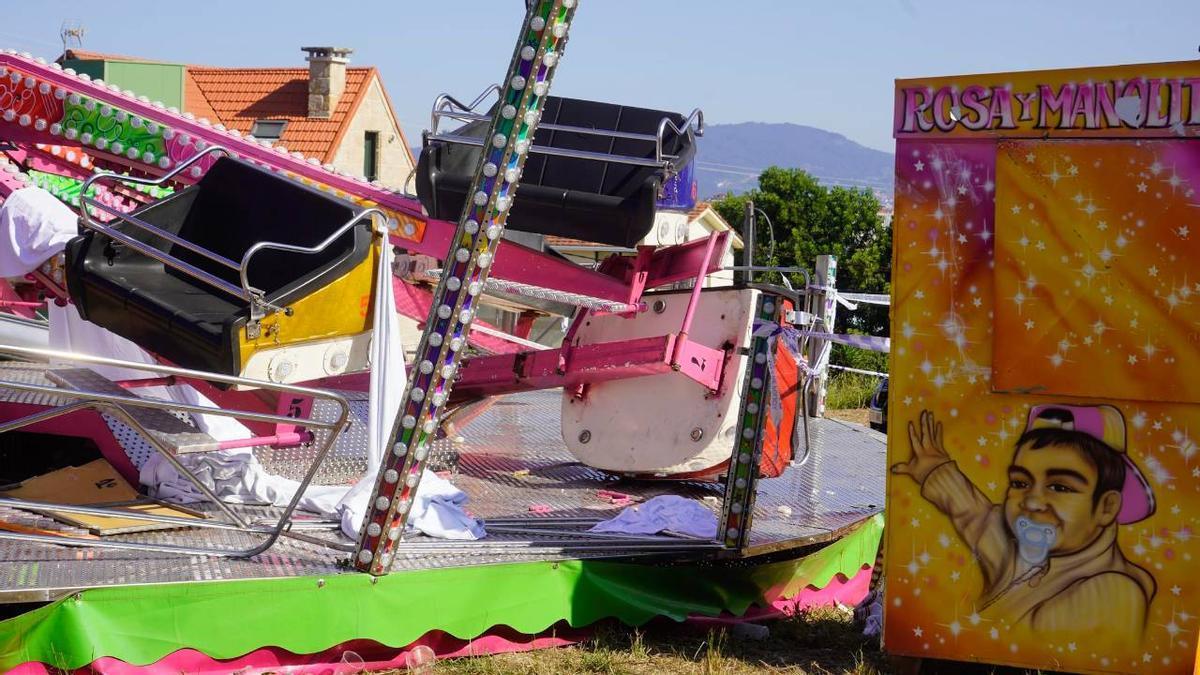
{"x": 339, "y": 114}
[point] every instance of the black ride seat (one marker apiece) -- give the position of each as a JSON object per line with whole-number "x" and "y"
{"x": 234, "y": 206}
{"x": 594, "y": 200}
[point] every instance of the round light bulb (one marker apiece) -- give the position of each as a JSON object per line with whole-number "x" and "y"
{"x": 485, "y": 259}
{"x": 462, "y": 255}
{"x": 365, "y": 556}
{"x": 528, "y": 52}
{"x": 499, "y": 141}
{"x": 481, "y": 198}
{"x": 489, "y": 169}
{"x": 471, "y": 226}
{"x": 494, "y": 232}
{"x": 518, "y": 82}
{"x": 444, "y": 311}
{"x": 435, "y": 339}
{"x": 391, "y": 476}
{"x": 508, "y": 111}
{"x": 537, "y": 23}
{"x": 453, "y": 284}
{"x": 382, "y": 503}
{"x": 374, "y": 530}
{"x": 408, "y": 422}
{"x": 426, "y": 367}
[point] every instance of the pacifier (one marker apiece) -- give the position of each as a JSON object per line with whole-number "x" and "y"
{"x": 1034, "y": 540}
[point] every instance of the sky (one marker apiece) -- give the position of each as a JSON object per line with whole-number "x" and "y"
{"x": 827, "y": 64}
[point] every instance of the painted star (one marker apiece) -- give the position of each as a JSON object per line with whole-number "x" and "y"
{"x": 1153, "y": 271}
{"x": 1029, "y": 324}
{"x": 1029, "y": 157}
{"x": 1016, "y": 208}
{"x": 1182, "y": 232}
{"x": 1176, "y": 590}
{"x": 1133, "y": 359}
{"x": 918, "y": 631}
{"x": 1141, "y": 187}
{"x": 919, "y": 166}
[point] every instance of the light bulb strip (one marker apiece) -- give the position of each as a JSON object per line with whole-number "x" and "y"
{"x": 738, "y": 510}
{"x": 464, "y": 275}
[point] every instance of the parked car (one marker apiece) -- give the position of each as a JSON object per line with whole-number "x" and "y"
{"x": 877, "y": 407}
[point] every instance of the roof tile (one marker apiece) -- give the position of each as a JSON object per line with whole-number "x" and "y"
{"x": 238, "y": 97}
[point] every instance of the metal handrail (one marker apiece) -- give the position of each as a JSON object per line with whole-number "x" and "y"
{"x": 561, "y": 152}
{"x": 467, "y": 116}
{"x": 145, "y": 249}
{"x": 443, "y": 101}
{"x": 252, "y": 295}
{"x": 695, "y": 118}
{"x": 446, "y": 105}
{"x": 244, "y": 269}
{"x": 115, "y": 403}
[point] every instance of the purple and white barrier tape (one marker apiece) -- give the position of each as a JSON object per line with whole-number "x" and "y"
{"x": 869, "y": 342}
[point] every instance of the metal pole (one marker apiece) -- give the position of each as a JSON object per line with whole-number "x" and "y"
{"x": 748, "y": 224}
{"x": 539, "y": 46}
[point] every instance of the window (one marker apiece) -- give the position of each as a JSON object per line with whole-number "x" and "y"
{"x": 371, "y": 155}
{"x": 268, "y": 130}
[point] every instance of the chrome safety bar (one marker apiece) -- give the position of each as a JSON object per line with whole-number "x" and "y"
{"x": 446, "y": 106}
{"x": 254, "y": 296}
{"x": 116, "y": 405}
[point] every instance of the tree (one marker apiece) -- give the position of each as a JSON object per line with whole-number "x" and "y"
{"x": 807, "y": 219}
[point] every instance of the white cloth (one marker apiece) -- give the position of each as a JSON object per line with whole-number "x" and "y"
{"x": 34, "y": 226}
{"x": 437, "y": 506}
{"x": 663, "y": 513}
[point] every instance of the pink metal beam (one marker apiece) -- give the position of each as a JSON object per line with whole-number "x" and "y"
{"x": 431, "y": 237}
{"x": 524, "y": 371}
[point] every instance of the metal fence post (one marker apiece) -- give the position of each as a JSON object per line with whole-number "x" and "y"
{"x": 825, "y": 315}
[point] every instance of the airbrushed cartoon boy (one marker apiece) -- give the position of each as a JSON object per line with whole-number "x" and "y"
{"x": 1049, "y": 553}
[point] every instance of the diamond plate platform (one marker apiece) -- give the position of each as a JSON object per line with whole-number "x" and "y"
{"x": 509, "y": 459}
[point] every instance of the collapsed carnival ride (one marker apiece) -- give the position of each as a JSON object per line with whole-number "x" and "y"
{"x": 260, "y": 286}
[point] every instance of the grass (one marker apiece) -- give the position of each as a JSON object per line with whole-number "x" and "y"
{"x": 823, "y": 641}
{"x": 849, "y": 390}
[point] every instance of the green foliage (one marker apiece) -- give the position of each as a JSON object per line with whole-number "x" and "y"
{"x": 807, "y": 219}
{"x": 849, "y": 391}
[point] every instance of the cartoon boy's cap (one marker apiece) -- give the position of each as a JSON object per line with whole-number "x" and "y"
{"x": 1105, "y": 424}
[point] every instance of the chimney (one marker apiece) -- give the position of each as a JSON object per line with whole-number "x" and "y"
{"x": 326, "y": 79}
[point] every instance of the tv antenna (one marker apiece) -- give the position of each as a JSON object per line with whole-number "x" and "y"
{"x": 71, "y": 32}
